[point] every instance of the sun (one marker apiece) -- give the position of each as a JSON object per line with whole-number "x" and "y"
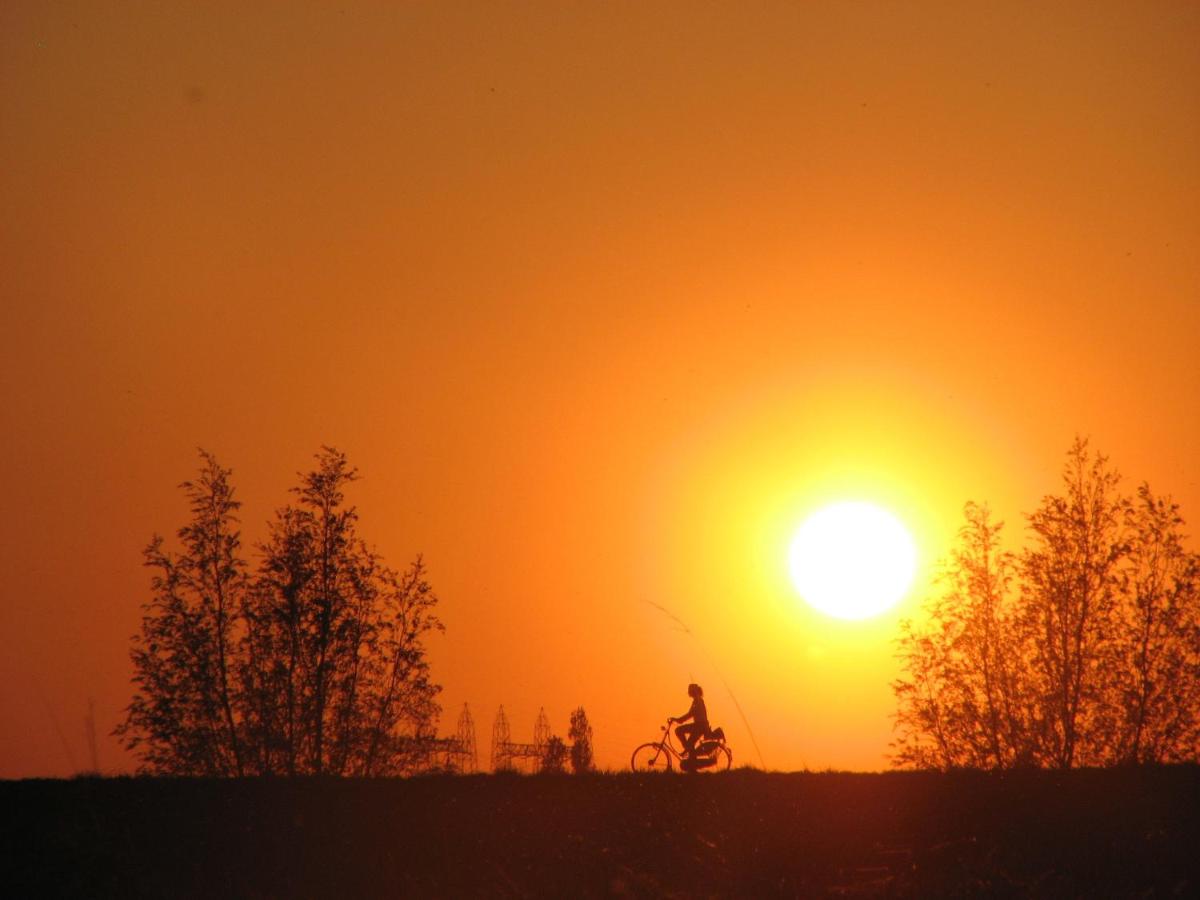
{"x": 852, "y": 560}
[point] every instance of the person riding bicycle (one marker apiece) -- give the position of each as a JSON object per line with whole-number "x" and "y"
{"x": 698, "y": 714}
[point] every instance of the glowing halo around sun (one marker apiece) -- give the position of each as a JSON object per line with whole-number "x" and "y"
{"x": 852, "y": 560}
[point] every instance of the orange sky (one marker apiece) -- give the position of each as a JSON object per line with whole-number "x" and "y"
{"x": 601, "y": 298}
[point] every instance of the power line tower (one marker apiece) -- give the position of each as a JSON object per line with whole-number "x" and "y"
{"x": 468, "y": 756}
{"x": 506, "y": 751}
{"x": 541, "y": 732}
{"x": 500, "y": 742}
{"x": 455, "y": 754}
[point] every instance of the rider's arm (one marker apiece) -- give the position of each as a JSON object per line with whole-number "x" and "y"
{"x": 693, "y": 712}
{"x": 687, "y": 715}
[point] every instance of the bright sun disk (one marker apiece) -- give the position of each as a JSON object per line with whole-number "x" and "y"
{"x": 852, "y": 560}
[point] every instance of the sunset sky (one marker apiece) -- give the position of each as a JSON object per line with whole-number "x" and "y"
{"x": 602, "y": 299}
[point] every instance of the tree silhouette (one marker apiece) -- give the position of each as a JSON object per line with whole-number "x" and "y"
{"x": 315, "y": 665}
{"x": 1155, "y": 680}
{"x": 182, "y": 717}
{"x": 580, "y": 734}
{"x": 554, "y": 757}
{"x": 1082, "y": 650}
{"x": 962, "y": 700}
{"x": 1070, "y": 605}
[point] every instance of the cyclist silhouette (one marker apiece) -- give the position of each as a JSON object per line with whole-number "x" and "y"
{"x": 698, "y": 714}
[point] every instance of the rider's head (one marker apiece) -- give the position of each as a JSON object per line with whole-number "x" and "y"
{"x": 694, "y": 690}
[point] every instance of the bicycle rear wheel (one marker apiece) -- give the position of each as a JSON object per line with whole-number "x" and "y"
{"x": 650, "y": 758}
{"x": 724, "y": 760}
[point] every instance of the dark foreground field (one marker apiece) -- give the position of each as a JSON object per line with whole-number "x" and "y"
{"x": 1088, "y": 833}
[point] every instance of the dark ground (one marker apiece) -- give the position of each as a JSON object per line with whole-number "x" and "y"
{"x": 1124, "y": 833}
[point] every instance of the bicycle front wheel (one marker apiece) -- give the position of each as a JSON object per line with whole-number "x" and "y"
{"x": 650, "y": 758}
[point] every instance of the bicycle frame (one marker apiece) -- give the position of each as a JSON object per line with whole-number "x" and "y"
{"x": 666, "y": 744}
{"x": 664, "y": 755}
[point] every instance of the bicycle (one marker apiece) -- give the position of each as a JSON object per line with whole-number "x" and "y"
{"x": 712, "y": 754}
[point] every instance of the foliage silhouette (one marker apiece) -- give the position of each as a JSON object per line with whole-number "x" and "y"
{"x": 554, "y": 758}
{"x": 1083, "y": 650}
{"x": 181, "y": 719}
{"x": 580, "y": 733}
{"x": 315, "y": 664}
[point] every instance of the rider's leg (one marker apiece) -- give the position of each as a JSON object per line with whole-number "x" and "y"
{"x": 687, "y": 735}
